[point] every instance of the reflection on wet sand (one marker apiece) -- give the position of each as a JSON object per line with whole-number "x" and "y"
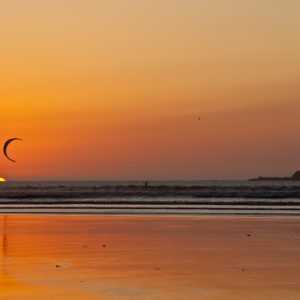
{"x": 10, "y": 287}
{"x": 149, "y": 257}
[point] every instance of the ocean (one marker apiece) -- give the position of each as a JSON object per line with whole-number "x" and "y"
{"x": 155, "y": 197}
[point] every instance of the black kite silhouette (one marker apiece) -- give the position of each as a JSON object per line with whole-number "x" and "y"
{"x": 5, "y": 148}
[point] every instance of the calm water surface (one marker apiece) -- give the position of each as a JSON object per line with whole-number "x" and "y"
{"x": 149, "y": 257}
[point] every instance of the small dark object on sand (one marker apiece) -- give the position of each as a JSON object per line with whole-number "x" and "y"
{"x": 104, "y": 245}
{"x": 243, "y": 270}
{"x": 57, "y": 266}
{"x": 249, "y": 235}
{"x": 157, "y": 269}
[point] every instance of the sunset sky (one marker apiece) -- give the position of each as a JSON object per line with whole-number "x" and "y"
{"x": 104, "y": 89}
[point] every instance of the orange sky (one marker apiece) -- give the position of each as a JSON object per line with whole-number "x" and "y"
{"x": 112, "y": 89}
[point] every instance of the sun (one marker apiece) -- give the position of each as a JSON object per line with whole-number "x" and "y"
{"x": 2, "y": 179}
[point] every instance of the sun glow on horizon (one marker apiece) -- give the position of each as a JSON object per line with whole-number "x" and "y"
{"x": 2, "y": 179}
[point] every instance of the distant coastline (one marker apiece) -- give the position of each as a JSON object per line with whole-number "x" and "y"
{"x": 294, "y": 177}
{"x": 273, "y": 179}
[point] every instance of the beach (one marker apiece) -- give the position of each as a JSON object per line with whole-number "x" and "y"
{"x": 149, "y": 150}
{"x": 149, "y": 257}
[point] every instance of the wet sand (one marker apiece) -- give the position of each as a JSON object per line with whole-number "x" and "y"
{"x": 149, "y": 257}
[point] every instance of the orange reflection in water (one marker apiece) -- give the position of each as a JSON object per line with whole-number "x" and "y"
{"x": 145, "y": 257}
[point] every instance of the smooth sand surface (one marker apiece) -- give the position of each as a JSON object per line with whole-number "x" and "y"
{"x": 149, "y": 257}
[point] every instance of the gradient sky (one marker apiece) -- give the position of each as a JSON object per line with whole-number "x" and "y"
{"x": 113, "y": 89}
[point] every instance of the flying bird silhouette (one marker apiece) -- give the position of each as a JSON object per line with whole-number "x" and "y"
{"x": 5, "y": 148}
